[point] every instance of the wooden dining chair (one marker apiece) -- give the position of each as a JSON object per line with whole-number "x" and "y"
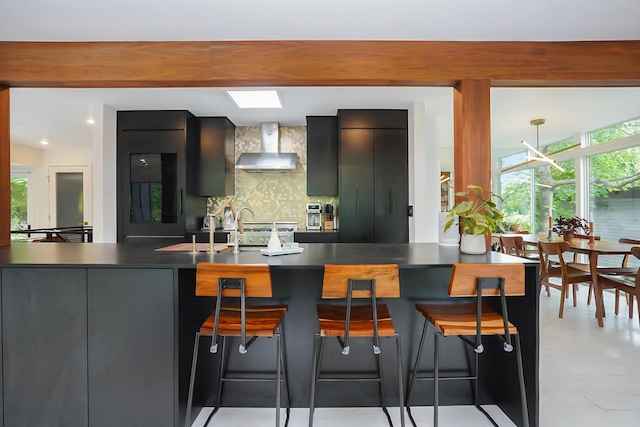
{"x": 245, "y": 321}
{"x": 624, "y": 269}
{"x": 553, "y": 266}
{"x": 514, "y": 245}
{"x": 630, "y": 284}
{"x": 470, "y": 321}
{"x": 629, "y": 271}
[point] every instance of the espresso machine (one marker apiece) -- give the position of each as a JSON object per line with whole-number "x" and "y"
{"x": 314, "y": 216}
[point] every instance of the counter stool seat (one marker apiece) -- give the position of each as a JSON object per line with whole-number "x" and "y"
{"x": 225, "y": 281}
{"x": 332, "y": 320}
{"x": 261, "y": 321}
{"x": 461, "y": 319}
{"x": 475, "y": 319}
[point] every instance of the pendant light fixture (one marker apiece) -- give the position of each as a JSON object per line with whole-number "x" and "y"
{"x": 539, "y": 156}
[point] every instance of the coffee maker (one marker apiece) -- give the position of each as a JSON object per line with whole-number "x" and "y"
{"x": 314, "y": 216}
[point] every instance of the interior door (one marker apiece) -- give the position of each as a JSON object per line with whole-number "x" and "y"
{"x": 69, "y": 196}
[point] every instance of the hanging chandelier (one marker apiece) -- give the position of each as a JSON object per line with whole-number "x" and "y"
{"x": 539, "y": 155}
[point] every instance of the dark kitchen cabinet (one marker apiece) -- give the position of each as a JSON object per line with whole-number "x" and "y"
{"x": 322, "y": 155}
{"x": 373, "y": 181}
{"x": 44, "y": 359}
{"x": 131, "y": 310}
{"x": 154, "y": 200}
{"x": 212, "y": 158}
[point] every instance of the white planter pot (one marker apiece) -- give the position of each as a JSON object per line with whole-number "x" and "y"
{"x": 470, "y": 244}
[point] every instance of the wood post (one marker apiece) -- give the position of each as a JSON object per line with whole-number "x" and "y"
{"x": 5, "y": 169}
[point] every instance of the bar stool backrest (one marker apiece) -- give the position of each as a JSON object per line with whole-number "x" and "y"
{"x": 336, "y": 280}
{"x": 464, "y": 279}
{"x": 257, "y": 279}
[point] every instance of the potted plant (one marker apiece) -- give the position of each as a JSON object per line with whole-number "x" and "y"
{"x": 567, "y": 227}
{"x": 477, "y": 217}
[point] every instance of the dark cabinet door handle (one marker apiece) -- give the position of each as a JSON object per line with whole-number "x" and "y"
{"x": 180, "y": 203}
{"x": 390, "y": 202}
{"x": 356, "y": 201}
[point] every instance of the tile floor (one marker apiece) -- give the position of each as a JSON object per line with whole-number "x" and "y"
{"x": 589, "y": 377}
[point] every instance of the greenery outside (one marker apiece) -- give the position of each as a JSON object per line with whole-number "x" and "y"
{"x": 19, "y": 187}
{"x": 613, "y": 172}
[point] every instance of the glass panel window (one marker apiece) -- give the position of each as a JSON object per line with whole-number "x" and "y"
{"x": 19, "y": 205}
{"x": 556, "y": 190}
{"x": 614, "y": 197}
{"x": 516, "y": 200}
{"x": 619, "y": 130}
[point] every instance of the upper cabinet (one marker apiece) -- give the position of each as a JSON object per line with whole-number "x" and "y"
{"x": 373, "y": 177}
{"x": 212, "y": 158}
{"x": 153, "y": 197}
{"x": 322, "y": 155}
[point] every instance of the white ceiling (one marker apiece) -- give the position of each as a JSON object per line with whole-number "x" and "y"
{"x": 60, "y": 114}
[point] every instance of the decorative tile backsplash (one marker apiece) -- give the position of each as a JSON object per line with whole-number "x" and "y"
{"x": 273, "y": 196}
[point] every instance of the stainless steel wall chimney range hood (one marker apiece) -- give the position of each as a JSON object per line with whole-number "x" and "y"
{"x": 269, "y": 159}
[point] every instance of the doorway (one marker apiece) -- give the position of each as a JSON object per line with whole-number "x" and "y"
{"x": 69, "y": 196}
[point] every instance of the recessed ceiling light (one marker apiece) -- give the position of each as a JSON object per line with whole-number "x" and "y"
{"x": 91, "y": 121}
{"x": 44, "y": 142}
{"x": 255, "y": 98}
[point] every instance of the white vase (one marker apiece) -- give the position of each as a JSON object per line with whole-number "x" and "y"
{"x": 274, "y": 240}
{"x": 470, "y": 244}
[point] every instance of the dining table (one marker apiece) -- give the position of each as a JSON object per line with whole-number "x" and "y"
{"x": 593, "y": 249}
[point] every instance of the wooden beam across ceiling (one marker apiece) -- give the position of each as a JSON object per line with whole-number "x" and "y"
{"x": 318, "y": 63}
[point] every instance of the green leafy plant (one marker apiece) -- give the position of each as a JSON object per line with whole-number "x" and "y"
{"x": 476, "y": 215}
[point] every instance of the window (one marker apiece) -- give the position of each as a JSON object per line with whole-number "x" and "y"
{"x": 19, "y": 203}
{"x": 617, "y": 131}
{"x": 614, "y": 196}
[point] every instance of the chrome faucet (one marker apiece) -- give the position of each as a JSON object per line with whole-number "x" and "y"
{"x": 237, "y": 242}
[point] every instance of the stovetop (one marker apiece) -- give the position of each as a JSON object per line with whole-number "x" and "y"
{"x": 265, "y": 227}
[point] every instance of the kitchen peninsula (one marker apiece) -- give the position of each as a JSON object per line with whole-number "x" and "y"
{"x": 102, "y": 334}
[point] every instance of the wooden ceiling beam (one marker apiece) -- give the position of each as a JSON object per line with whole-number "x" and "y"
{"x": 318, "y": 63}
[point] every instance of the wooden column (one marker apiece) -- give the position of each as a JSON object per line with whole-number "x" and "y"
{"x": 5, "y": 169}
{"x": 472, "y": 134}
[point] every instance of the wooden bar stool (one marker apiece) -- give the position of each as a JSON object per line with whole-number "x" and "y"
{"x": 345, "y": 322}
{"x": 253, "y": 321}
{"x": 473, "y": 319}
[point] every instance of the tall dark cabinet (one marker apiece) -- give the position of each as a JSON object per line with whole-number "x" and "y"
{"x": 322, "y": 155}
{"x": 154, "y": 200}
{"x": 373, "y": 176}
{"x": 212, "y": 158}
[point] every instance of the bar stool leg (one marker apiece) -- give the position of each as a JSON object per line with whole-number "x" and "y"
{"x": 414, "y": 374}
{"x": 436, "y": 345}
{"x": 278, "y": 377}
{"x": 523, "y": 394}
{"x": 476, "y": 382}
{"x": 315, "y": 369}
{"x": 383, "y": 402}
{"x": 283, "y": 361}
{"x": 194, "y": 361}
{"x": 400, "y": 387}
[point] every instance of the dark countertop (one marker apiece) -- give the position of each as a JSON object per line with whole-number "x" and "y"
{"x": 314, "y": 255}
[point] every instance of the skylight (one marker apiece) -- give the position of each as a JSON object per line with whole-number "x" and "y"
{"x": 255, "y": 98}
